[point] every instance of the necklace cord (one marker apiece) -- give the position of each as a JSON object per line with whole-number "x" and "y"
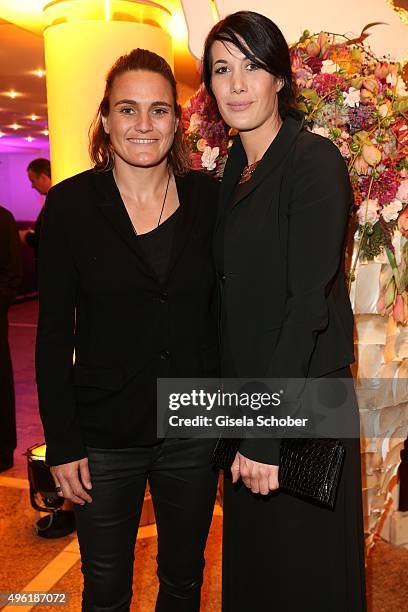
{"x": 162, "y": 208}
{"x": 164, "y": 201}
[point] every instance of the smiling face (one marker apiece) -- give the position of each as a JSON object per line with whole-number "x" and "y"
{"x": 245, "y": 93}
{"x": 141, "y": 122}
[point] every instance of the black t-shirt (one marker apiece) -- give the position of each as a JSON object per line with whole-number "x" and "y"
{"x": 157, "y": 245}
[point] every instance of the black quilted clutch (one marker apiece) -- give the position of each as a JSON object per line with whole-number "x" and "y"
{"x": 308, "y": 467}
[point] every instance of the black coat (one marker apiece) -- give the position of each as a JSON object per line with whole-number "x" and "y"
{"x": 99, "y": 297}
{"x": 279, "y": 249}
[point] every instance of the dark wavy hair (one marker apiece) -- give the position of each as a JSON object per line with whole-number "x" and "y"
{"x": 100, "y": 148}
{"x": 262, "y": 42}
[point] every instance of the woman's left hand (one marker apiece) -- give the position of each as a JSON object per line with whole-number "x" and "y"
{"x": 259, "y": 477}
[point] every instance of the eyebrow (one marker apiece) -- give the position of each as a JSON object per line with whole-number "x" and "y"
{"x": 220, "y": 61}
{"x": 135, "y": 103}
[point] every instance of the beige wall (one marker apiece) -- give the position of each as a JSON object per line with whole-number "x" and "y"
{"x": 294, "y": 16}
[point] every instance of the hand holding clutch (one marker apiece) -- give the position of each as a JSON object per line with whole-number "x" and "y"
{"x": 310, "y": 468}
{"x": 259, "y": 477}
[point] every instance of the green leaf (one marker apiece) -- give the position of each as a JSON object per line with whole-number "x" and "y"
{"x": 391, "y": 258}
{"x": 302, "y": 107}
{"x": 404, "y": 274}
{"x": 401, "y": 105}
{"x": 312, "y": 95}
{"x": 305, "y": 36}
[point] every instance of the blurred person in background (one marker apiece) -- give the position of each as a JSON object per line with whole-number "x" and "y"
{"x": 39, "y": 175}
{"x": 10, "y": 279}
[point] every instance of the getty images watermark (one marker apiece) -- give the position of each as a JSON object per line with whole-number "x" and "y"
{"x": 207, "y": 401}
{"x": 322, "y": 408}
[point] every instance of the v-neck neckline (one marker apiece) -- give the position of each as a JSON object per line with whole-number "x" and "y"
{"x": 113, "y": 207}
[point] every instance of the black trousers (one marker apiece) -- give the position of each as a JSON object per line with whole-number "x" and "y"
{"x": 183, "y": 487}
{"x": 8, "y": 436}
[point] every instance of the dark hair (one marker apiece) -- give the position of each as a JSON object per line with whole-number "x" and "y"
{"x": 40, "y": 166}
{"x": 100, "y": 148}
{"x": 262, "y": 42}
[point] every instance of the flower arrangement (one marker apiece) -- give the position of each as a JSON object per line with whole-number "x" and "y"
{"x": 359, "y": 102}
{"x": 206, "y": 133}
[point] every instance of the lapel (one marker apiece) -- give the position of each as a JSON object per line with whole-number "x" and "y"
{"x": 112, "y": 207}
{"x": 273, "y": 157}
{"x": 185, "y": 220}
{"x": 236, "y": 162}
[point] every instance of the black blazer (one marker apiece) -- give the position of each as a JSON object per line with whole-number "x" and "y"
{"x": 279, "y": 248}
{"x": 99, "y": 297}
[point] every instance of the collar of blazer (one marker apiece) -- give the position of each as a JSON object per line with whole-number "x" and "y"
{"x": 273, "y": 157}
{"x": 111, "y": 205}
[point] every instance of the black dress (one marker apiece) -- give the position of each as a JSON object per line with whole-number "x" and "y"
{"x": 285, "y": 311}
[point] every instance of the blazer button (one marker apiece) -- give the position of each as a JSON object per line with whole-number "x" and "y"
{"x": 164, "y": 354}
{"x": 222, "y": 277}
{"x": 164, "y": 297}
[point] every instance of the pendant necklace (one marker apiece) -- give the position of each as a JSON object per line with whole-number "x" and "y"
{"x": 247, "y": 172}
{"x": 162, "y": 208}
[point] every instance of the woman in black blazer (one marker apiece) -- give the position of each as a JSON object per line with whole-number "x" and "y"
{"x": 285, "y": 313}
{"x": 127, "y": 283}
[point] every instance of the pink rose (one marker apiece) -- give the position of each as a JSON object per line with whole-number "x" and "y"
{"x": 368, "y": 212}
{"x": 402, "y": 193}
{"x": 344, "y": 149}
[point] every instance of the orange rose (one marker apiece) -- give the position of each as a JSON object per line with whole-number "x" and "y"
{"x": 371, "y": 84}
{"x": 366, "y": 97}
{"x": 371, "y": 154}
{"x": 403, "y": 222}
{"x": 382, "y": 70}
{"x": 313, "y": 49}
{"x": 360, "y": 165}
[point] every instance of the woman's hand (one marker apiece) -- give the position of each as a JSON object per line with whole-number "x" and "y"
{"x": 259, "y": 477}
{"x": 67, "y": 481}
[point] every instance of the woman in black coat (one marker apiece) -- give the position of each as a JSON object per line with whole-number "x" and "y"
{"x": 127, "y": 282}
{"x": 285, "y": 313}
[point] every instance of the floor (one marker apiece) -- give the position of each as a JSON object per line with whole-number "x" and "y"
{"x": 31, "y": 563}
